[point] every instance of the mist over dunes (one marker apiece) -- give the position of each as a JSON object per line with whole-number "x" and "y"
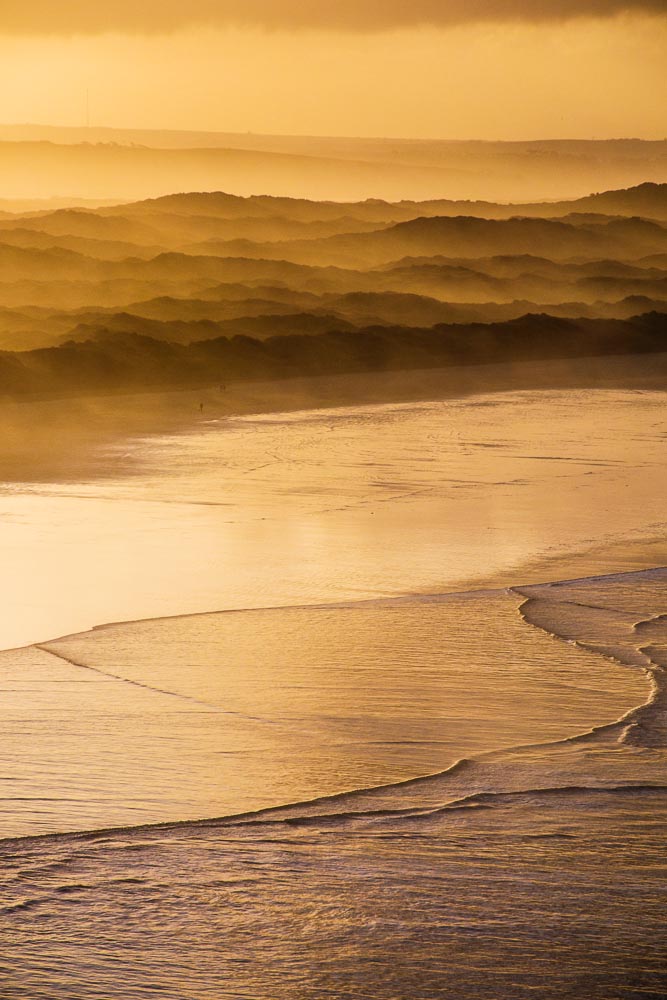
{"x": 203, "y": 288}
{"x": 333, "y": 363}
{"x": 106, "y": 360}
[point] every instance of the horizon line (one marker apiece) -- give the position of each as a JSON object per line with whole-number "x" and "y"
{"x": 307, "y": 135}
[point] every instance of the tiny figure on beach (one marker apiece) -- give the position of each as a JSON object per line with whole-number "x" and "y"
{"x": 201, "y": 407}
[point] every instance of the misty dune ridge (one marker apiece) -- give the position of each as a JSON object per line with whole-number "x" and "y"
{"x": 370, "y": 494}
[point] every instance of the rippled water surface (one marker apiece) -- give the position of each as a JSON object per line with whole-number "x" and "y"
{"x": 438, "y": 795}
{"x": 534, "y": 870}
{"x": 306, "y": 507}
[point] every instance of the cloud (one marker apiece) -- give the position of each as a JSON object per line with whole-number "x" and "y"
{"x": 39, "y": 17}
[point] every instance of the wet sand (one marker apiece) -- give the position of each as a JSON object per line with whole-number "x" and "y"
{"x": 335, "y": 519}
{"x": 494, "y": 758}
{"x": 56, "y": 439}
{"x": 338, "y": 504}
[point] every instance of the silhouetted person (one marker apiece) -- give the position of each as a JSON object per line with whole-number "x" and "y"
{"x": 201, "y": 407}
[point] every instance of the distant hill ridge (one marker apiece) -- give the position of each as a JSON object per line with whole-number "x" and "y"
{"x": 101, "y": 165}
{"x": 198, "y": 266}
{"x": 648, "y": 199}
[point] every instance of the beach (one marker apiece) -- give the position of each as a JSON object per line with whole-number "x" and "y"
{"x": 340, "y": 650}
{"x": 333, "y": 534}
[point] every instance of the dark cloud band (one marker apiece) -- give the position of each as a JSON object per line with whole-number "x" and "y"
{"x": 93, "y": 16}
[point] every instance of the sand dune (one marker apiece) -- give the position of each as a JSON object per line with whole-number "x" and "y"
{"x": 212, "y": 265}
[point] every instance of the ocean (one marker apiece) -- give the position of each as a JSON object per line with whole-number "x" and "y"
{"x": 362, "y": 702}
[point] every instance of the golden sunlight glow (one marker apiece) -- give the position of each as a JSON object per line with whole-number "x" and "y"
{"x": 582, "y": 78}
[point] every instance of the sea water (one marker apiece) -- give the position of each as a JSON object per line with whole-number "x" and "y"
{"x": 376, "y": 772}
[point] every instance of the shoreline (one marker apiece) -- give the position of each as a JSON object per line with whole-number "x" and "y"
{"x": 642, "y": 547}
{"x": 530, "y": 577}
{"x": 302, "y": 807}
{"x": 61, "y": 440}
{"x": 88, "y": 445}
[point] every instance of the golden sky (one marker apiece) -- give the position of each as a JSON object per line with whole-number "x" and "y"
{"x": 506, "y": 69}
